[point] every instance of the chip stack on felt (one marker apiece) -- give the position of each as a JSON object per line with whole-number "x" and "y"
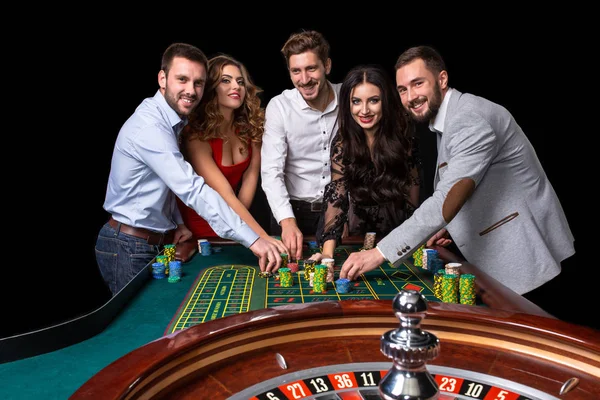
{"x": 467, "y": 289}
{"x": 342, "y": 285}
{"x": 158, "y": 270}
{"x": 437, "y": 283}
{"x": 309, "y": 266}
{"x": 284, "y": 260}
{"x": 286, "y": 279}
{"x": 329, "y": 262}
{"x": 293, "y": 267}
{"x": 174, "y": 271}
{"x": 369, "y": 242}
{"x": 450, "y": 288}
{"x": 320, "y": 279}
{"x": 418, "y": 256}
{"x": 170, "y": 251}
{"x": 164, "y": 259}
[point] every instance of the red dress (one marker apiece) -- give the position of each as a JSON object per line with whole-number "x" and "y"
{"x": 195, "y": 223}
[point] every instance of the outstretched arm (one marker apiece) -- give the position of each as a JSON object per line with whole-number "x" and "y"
{"x": 273, "y": 158}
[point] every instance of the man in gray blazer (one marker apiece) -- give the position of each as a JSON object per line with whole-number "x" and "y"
{"x": 491, "y": 193}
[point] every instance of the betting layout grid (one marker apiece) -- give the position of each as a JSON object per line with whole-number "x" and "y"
{"x": 384, "y": 282}
{"x": 281, "y": 288}
{"x": 450, "y": 285}
{"x": 223, "y": 290}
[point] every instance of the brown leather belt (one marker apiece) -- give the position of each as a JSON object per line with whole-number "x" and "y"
{"x": 301, "y": 205}
{"x": 153, "y": 238}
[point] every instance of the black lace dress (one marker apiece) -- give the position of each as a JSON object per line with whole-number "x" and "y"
{"x": 344, "y": 216}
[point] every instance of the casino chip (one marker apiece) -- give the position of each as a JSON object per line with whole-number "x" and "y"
{"x": 264, "y": 274}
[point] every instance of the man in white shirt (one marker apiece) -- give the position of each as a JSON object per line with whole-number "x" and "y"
{"x": 299, "y": 127}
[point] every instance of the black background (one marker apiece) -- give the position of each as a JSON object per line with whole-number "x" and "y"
{"x": 93, "y": 84}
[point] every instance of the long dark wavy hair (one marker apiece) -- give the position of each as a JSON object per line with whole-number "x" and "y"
{"x": 248, "y": 118}
{"x": 380, "y": 175}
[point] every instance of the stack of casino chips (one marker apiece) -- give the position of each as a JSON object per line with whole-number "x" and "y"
{"x": 431, "y": 260}
{"x": 311, "y": 277}
{"x": 467, "y": 289}
{"x": 329, "y": 262}
{"x": 437, "y": 283}
{"x": 454, "y": 287}
{"x": 453, "y": 268}
{"x": 450, "y": 288}
{"x": 205, "y": 247}
{"x": 174, "y": 271}
{"x": 284, "y": 260}
{"x": 418, "y": 256}
{"x": 286, "y": 278}
{"x": 164, "y": 259}
{"x": 265, "y": 274}
{"x": 158, "y": 270}
{"x": 320, "y": 279}
{"x": 342, "y": 285}
{"x": 170, "y": 251}
{"x": 309, "y": 267}
{"x": 293, "y": 267}
{"x": 369, "y": 242}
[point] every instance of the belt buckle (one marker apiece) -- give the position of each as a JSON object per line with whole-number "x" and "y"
{"x": 316, "y": 206}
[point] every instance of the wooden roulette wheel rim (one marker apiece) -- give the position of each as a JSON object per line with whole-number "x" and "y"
{"x": 222, "y": 357}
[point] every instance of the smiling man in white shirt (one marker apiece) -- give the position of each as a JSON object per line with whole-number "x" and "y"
{"x": 299, "y": 127}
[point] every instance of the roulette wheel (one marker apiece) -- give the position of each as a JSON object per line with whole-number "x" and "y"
{"x": 336, "y": 350}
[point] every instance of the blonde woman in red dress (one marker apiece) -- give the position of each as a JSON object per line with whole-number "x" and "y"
{"x": 223, "y": 141}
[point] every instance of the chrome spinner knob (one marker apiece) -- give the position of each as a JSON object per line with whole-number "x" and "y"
{"x": 410, "y": 348}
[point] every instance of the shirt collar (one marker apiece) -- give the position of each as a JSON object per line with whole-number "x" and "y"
{"x": 177, "y": 123}
{"x": 304, "y": 105}
{"x": 437, "y": 125}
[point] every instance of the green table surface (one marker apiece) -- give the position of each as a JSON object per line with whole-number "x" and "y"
{"x": 152, "y": 313}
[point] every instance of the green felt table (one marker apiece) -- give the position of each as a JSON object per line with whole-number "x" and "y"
{"x": 211, "y": 287}
{"x": 229, "y": 284}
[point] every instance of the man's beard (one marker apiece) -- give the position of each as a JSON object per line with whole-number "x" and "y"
{"x": 173, "y": 101}
{"x": 434, "y": 104}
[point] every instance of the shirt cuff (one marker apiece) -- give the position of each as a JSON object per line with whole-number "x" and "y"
{"x": 381, "y": 252}
{"x": 246, "y": 236}
{"x": 283, "y": 213}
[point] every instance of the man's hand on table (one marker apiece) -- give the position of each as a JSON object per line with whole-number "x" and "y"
{"x": 360, "y": 262}
{"x": 292, "y": 238}
{"x": 269, "y": 258}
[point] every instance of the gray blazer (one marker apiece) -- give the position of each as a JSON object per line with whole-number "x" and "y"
{"x": 493, "y": 197}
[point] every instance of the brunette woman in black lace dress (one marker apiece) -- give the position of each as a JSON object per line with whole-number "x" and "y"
{"x": 374, "y": 165}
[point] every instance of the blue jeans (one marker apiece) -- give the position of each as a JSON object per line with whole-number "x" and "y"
{"x": 121, "y": 257}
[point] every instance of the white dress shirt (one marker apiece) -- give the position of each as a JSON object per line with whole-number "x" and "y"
{"x": 148, "y": 171}
{"x": 295, "y": 155}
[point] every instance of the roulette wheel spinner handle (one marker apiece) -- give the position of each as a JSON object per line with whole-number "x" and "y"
{"x": 410, "y": 348}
